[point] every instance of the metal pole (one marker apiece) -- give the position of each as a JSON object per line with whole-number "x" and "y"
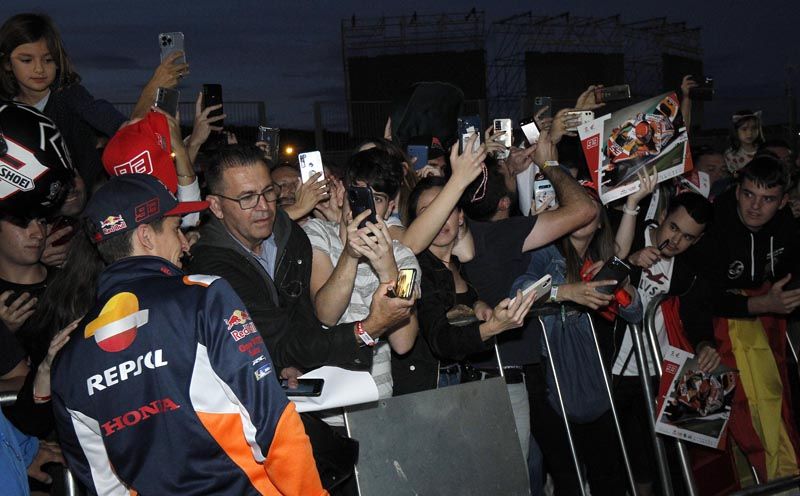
{"x": 575, "y": 460}
{"x": 683, "y": 451}
{"x": 647, "y": 389}
{"x": 625, "y": 458}
{"x": 71, "y": 485}
{"x": 499, "y": 362}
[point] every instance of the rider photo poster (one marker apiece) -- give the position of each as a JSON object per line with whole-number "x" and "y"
{"x": 642, "y": 136}
{"x": 694, "y": 405}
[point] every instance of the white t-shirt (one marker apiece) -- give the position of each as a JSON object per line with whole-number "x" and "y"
{"x": 324, "y": 236}
{"x": 654, "y": 281}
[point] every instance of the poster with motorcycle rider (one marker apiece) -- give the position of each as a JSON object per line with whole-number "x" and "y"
{"x": 645, "y": 135}
{"x": 694, "y": 405}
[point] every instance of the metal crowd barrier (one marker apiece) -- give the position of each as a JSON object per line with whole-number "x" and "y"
{"x": 71, "y": 485}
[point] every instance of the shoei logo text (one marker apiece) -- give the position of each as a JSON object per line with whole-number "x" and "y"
{"x": 124, "y": 371}
{"x": 140, "y": 164}
{"x": 14, "y": 178}
{"x": 114, "y": 329}
{"x": 19, "y": 167}
{"x": 133, "y": 417}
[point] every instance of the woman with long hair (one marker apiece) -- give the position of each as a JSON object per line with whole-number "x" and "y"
{"x": 448, "y": 297}
{"x": 578, "y": 308}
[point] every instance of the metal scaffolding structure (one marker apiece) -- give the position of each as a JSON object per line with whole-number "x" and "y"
{"x": 643, "y": 44}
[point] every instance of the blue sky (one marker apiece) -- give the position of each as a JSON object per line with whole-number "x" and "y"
{"x": 288, "y": 53}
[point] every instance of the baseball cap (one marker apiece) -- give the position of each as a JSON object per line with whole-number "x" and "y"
{"x": 143, "y": 147}
{"x": 436, "y": 149}
{"x": 129, "y": 200}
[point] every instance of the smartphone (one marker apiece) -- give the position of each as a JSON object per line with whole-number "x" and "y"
{"x": 612, "y": 93}
{"x": 615, "y": 269}
{"x": 61, "y": 223}
{"x": 404, "y": 288}
{"x": 586, "y": 116}
{"x": 467, "y": 126}
{"x": 704, "y": 89}
{"x": 360, "y": 199}
{"x": 305, "y": 387}
{"x": 420, "y": 152}
{"x": 541, "y": 287}
{"x": 541, "y": 102}
{"x": 272, "y": 137}
{"x": 310, "y": 164}
{"x": 167, "y": 100}
{"x": 170, "y": 43}
{"x": 543, "y": 192}
{"x": 501, "y": 125}
{"x": 530, "y": 130}
{"x": 212, "y": 95}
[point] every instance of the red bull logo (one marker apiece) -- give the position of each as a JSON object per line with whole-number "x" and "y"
{"x": 112, "y": 224}
{"x": 238, "y": 317}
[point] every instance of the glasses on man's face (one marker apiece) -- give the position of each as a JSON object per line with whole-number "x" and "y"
{"x": 248, "y": 202}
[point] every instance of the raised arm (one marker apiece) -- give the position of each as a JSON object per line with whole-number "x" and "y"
{"x": 166, "y": 75}
{"x": 466, "y": 167}
{"x": 627, "y": 226}
{"x": 576, "y": 208}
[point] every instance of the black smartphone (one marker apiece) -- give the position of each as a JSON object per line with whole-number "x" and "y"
{"x": 612, "y": 93}
{"x": 616, "y": 270}
{"x": 306, "y": 387}
{"x": 212, "y": 95}
{"x": 704, "y": 89}
{"x": 467, "y": 126}
{"x": 167, "y": 100}
{"x": 361, "y": 199}
{"x": 404, "y": 287}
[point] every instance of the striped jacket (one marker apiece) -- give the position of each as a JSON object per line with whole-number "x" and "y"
{"x": 166, "y": 387}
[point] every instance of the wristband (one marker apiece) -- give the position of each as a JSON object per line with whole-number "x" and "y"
{"x": 550, "y": 163}
{"x": 363, "y": 335}
{"x": 628, "y": 211}
{"x": 41, "y": 399}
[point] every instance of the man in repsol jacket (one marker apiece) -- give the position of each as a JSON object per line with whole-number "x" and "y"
{"x": 751, "y": 256}
{"x": 167, "y": 386}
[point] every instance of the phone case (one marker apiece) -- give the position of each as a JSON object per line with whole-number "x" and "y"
{"x": 530, "y": 130}
{"x": 212, "y": 95}
{"x": 172, "y": 42}
{"x": 406, "y": 279}
{"x": 615, "y": 269}
{"x": 167, "y": 100}
{"x": 310, "y": 164}
{"x": 361, "y": 199}
{"x": 541, "y": 287}
{"x": 420, "y": 152}
{"x": 612, "y": 93}
{"x": 467, "y": 126}
{"x": 504, "y": 125}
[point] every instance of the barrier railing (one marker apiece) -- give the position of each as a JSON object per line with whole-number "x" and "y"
{"x": 71, "y": 485}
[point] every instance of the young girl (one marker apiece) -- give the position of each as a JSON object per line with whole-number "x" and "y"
{"x": 746, "y": 137}
{"x": 37, "y": 71}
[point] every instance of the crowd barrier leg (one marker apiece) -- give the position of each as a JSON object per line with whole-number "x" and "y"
{"x": 625, "y": 459}
{"x": 71, "y": 485}
{"x": 655, "y": 349}
{"x": 578, "y": 471}
{"x": 647, "y": 389}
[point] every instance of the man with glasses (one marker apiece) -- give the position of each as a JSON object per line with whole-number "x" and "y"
{"x": 266, "y": 257}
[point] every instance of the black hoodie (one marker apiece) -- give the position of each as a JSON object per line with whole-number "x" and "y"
{"x": 732, "y": 257}
{"x": 283, "y": 312}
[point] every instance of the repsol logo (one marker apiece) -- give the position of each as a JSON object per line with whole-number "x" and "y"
{"x": 133, "y": 417}
{"x": 125, "y": 370}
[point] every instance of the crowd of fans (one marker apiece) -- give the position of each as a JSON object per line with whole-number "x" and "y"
{"x": 156, "y": 287}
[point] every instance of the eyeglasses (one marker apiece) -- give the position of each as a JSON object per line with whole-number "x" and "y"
{"x": 250, "y": 201}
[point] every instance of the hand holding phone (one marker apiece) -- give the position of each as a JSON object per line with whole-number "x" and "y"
{"x": 419, "y": 152}
{"x": 468, "y": 126}
{"x": 540, "y": 287}
{"x": 212, "y": 95}
{"x": 305, "y": 387}
{"x": 310, "y": 164}
{"x": 167, "y": 99}
{"x": 603, "y": 94}
{"x": 361, "y": 199}
{"x": 613, "y": 270}
{"x": 170, "y": 43}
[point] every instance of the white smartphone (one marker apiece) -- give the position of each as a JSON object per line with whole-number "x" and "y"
{"x": 541, "y": 287}
{"x": 530, "y": 130}
{"x": 310, "y": 164}
{"x": 543, "y": 192}
{"x": 586, "y": 116}
{"x": 170, "y": 43}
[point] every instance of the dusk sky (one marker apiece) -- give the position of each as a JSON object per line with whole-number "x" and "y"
{"x": 288, "y": 53}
